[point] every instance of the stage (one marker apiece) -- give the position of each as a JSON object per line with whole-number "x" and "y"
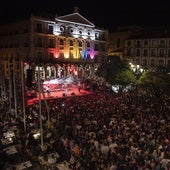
{"x": 60, "y": 93}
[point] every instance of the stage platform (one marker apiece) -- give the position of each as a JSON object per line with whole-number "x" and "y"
{"x": 67, "y": 92}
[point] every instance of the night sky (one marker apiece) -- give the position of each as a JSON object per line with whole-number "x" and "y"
{"x": 106, "y": 14}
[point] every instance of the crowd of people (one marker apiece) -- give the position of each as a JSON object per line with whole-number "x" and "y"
{"x": 100, "y": 131}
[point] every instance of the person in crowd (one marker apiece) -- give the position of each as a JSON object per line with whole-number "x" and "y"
{"x": 103, "y": 131}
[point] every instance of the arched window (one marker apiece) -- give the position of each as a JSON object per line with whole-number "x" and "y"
{"x": 80, "y": 44}
{"x": 61, "y": 42}
{"x": 71, "y": 43}
{"x": 88, "y": 44}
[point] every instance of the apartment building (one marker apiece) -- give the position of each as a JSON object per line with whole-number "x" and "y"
{"x": 116, "y": 39}
{"x": 149, "y": 49}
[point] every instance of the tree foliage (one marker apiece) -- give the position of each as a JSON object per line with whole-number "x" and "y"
{"x": 116, "y": 71}
{"x": 155, "y": 81}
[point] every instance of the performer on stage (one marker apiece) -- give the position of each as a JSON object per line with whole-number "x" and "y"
{"x": 79, "y": 87}
{"x": 48, "y": 90}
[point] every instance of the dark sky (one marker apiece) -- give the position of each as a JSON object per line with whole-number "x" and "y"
{"x": 104, "y": 14}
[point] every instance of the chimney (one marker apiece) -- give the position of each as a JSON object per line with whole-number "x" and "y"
{"x": 76, "y": 9}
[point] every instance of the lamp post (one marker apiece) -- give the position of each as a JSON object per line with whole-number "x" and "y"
{"x": 23, "y": 93}
{"x": 137, "y": 70}
{"x": 40, "y": 109}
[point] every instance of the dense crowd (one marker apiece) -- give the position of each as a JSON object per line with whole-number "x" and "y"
{"x": 105, "y": 131}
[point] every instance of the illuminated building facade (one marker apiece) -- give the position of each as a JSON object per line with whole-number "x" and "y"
{"x": 61, "y": 46}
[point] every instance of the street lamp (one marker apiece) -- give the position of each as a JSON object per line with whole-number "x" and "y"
{"x": 137, "y": 70}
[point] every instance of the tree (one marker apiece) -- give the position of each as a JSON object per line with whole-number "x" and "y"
{"x": 125, "y": 78}
{"x": 116, "y": 72}
{"x": 155, "y": 82}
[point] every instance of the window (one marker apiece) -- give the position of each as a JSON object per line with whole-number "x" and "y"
{"x": 161, "y": 53}
{"x": 138, "y": 52}
{"x": 88, "y": 33}
{"x": 162, "y": 43}
{"x": 80, "y": 44}
{"x": 97, "y": 35}
{"x": 161, "y": 63}
{"x": 154, "y": 43}
{"x": 145, "y": 43}
{"x": 38, "y": 28}
{"x": 145, "y": 52}
{"x": 50, "y": 29}
{"x": 145, "y": 62}
{"x": 61, "y": 42}
{"x": 152, "y": 63}
{"x": 80, "y": 32}
{"x": 71, "y": 42}
{"x": 71, "y": 30}
{"x": 88, "y": 44}
{"x": 153, "y": 52}
{"x": 80, "y": 53}
{"x": 138, "y": 44}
